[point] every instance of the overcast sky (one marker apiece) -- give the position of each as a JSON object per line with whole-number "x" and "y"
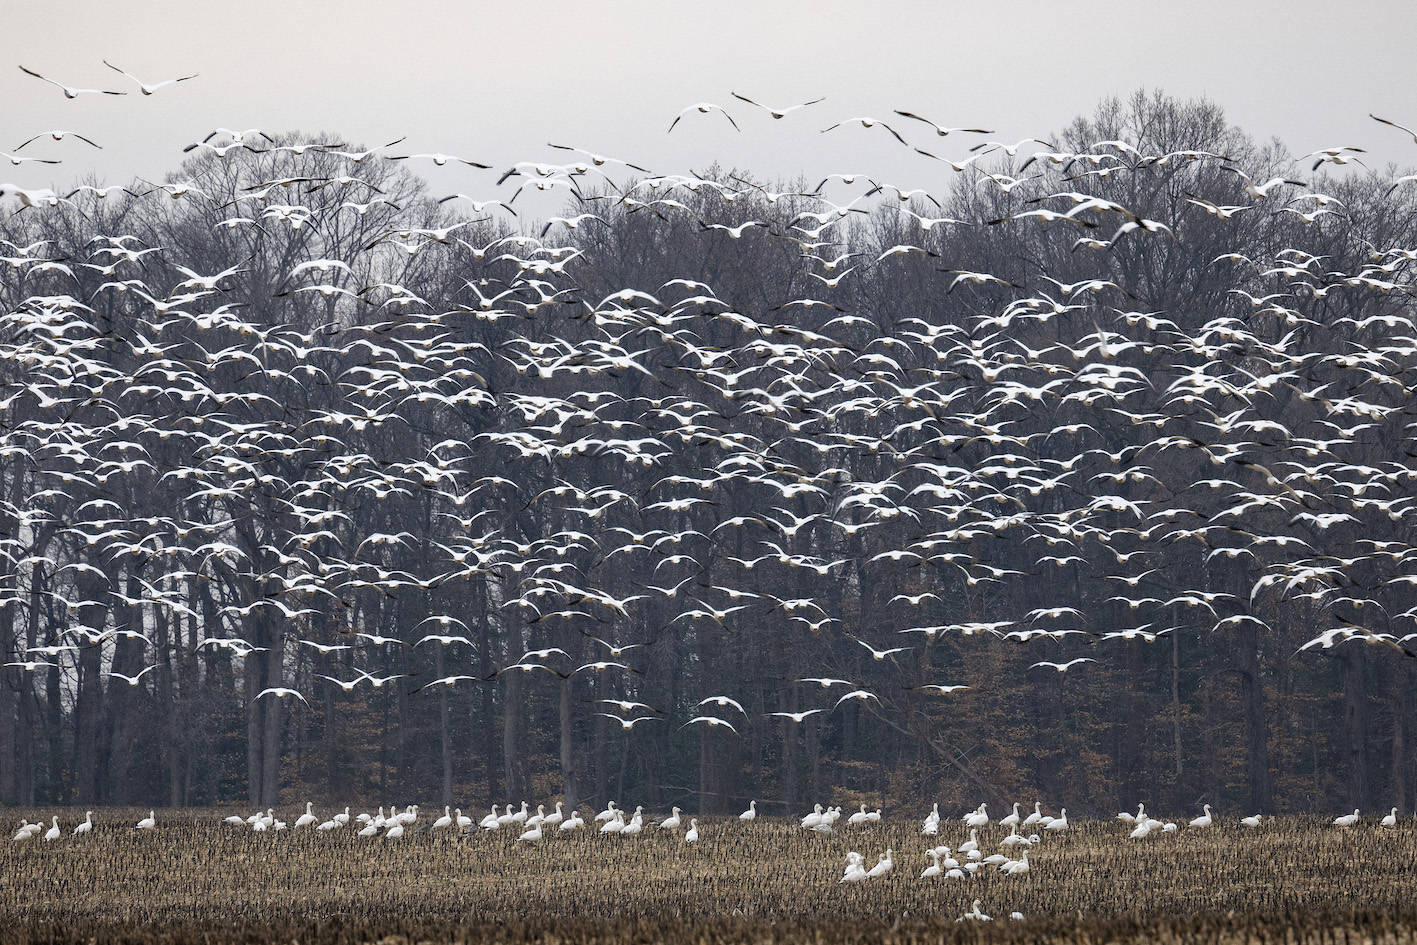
{"x": 496, "y": 82}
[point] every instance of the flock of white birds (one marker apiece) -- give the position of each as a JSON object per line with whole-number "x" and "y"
{"x": 629, "y": 378}
{"x": 945, "y": 863}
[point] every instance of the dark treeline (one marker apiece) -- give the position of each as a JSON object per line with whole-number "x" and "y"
{"x": 286, "y": 421}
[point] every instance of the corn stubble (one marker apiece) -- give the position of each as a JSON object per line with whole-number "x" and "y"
{"x": 1298, "y": 880}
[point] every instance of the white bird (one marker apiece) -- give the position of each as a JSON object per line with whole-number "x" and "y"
{"x": 280, "y": 692}
{"x": 1063, "y": 667}
{"x": 1058, "y": 823}
{"x": 883, "y": 866}
{"x": 776, "y": 112}
{"x": 1347, "y": 820}
{"x": 703, "y": 108}
{"x": 1012, "y": 820}
{"x": 307, "y": 818}
{"x": 70, "y": 92}
{"x": 53, "y": 832}
{"x": 1253, "y": 821}
{"x": 713, "y": 722}
{"x": 693, "y": 835}
{"x": 572, "y": 822}
{"x": 87, "y": 825}
{"x": 445, "y": 821}
{"x": 533, "y": 833}
{"x": 751, "y": 813}
{"x": 147, "y": 88}
{"x": 1204, "y": 820}
{"x": 149, "y": 822}
{"x": 671, "y": 822}
{"x": 1391, "y": 819}
{"x": 934, "y": 869}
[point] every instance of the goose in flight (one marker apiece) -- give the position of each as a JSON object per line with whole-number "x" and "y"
{"x": 147, "y": 88}
{"x": 68, "y": 91}
{"x": 941, "y": 130}
{"x": 776, "y": 112}
{"x": 59, "y": 136}
{"x": 1063, "y": 667}
{"x": 867, "y": 123}
{"x": 722, "y": 701}
{"x": 280, "y": 692}
{"x": 1395, "y": 125}
{"x": 704, "y": 108}
{"x": 629, "y": 724}
{"x": 879, "y": 655}
{"x": 133, "y": 680}
{"x": 858, "y": 694}
{"x": 713, "y": 722}
{"x": 796, "y": 716}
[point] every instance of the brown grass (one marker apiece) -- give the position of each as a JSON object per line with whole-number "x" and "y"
{"x": 197, "y": 879}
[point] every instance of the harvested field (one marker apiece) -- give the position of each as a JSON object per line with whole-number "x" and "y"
{"x": 195, "y": 878}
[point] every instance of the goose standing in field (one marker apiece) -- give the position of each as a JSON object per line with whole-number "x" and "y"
{"x": 635, "y": 825}
{"x": 554, "y": 818}
{"x": 814, "y": 818}
{"x": 751, "y": 813}
{"x": 855, "y": 868}
{"x": 1204, "y": 820}
{"x": 445, "y": 821}
{"x": 671, "y": 822}
{"x": 615, "y": 824}
{"x": 341, "y": 819}
{"x": 149, "y": 822}
{"x": 491, "y": 821}
{"x": 975, "y": 914}
{"x": 24, "y": 832}
{"x": 572, "y": 822}
{"x": 394, "y": 832}
{"x": 857, "y": 818}
{"x": 1252, "y": 821}
{"x": 1012, "y": 820}
{"x": 606, "y": 814}
{"x": 934, "y": 870}
{"x": 978, "y": 818}
{"x": 1347, "y": 820}
{"x": 87, "y": 825}
{"x": 883, "y": 866}
{"x": 1391, "y": 819}
{"x": 1016, "y": 867}
{"x": 532, "y": 833}
{"x": 307, "y": 818}
{"x": 463, "y": 821}
{"x": 1058, "y": 823}
{"x": 1036, "y": 816}
{"x": 53, "y": 832}
{"x": 932, "y": 822}
{"x": 693, "y": 835}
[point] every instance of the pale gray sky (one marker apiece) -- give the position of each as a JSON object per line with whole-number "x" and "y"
{"x": 495, "y": 82}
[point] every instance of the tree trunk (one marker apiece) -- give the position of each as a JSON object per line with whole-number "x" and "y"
{"x": 1355, "y": 718}
{"x": 568, "y": 771}
{"x": 1256, "y": 727}
{"x": 1399, "y": 737}
{"x": 271, "y": 729}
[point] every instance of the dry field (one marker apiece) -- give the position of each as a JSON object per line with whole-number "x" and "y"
{"x": 197, "y": 879}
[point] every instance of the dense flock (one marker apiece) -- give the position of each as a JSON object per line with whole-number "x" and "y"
{"x": 729, "y": 469}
